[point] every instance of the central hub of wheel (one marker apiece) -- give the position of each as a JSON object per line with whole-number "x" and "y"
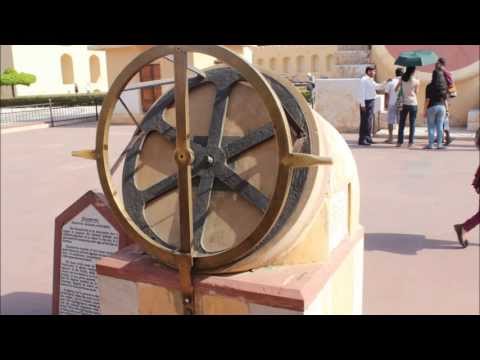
{"x": 214, "y": 155}
{"x": 210, "y": 160}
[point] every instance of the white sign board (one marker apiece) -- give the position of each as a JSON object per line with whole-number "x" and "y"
{"x": 85, "y": 239}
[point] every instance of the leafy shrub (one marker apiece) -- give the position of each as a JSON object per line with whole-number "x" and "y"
{"x": 58, "y": 100}
{"x": 11, "y": 77}
{"x": 307, "y": 95}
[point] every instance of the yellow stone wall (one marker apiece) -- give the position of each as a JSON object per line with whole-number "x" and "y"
{"x": 295, "y": 61}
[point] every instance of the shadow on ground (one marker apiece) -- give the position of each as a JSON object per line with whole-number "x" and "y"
{"x": 85, "y": 124}
{"x": 407, "y": 244}
{"x": 26, "y": 303}
{"x": 379, "y": 144}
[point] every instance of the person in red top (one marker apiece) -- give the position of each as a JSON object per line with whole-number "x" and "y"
{"x": 470, "y": 224}
{"x": 452, "y": 90}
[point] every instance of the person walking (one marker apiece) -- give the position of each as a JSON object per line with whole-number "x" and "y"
{"x": 435, "y": 111}
{"x": 409, "y": 87}
{"x": 368, "y": 93}
{"x": 391, "y": 100}
{"x": 470, "y": 224}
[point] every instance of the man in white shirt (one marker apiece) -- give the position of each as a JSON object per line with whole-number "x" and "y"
{"x": 311, "y": 88}
{"x": 368, "y": 93}
{"x": 391, "y": 101}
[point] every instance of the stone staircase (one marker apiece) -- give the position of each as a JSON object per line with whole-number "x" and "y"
{"x": 352, "y": 60}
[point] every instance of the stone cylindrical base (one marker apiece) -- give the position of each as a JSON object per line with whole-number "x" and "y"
{"x": 132, "y": 283}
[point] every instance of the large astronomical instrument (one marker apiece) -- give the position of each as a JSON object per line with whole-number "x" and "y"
{"x": 221, "y": 173}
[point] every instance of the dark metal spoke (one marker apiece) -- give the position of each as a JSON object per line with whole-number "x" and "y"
{"x": 217, "y": 124}
{"x": 170, "y": 133}
{"x": 200, "y": 209}
{"x": 129, "y": 112}
{"x": 226, "y": 175}
{"x": 149, "y": 84}
{"x": 193, "y": 69}
{"x": 166, "y": 130}
{"x": 252, "y": 139}
{"x": 159, "y": 189}
{"x": 133, "y": 141}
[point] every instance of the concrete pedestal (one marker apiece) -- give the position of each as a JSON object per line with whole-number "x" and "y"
{"x": 132, "y": 283}
{"x": 473, "y": 121}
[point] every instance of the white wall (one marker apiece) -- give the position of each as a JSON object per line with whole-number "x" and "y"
{"x": 44, "y": 61}
{"x": 133, "y": 101}
{"x": 337, "y": 100}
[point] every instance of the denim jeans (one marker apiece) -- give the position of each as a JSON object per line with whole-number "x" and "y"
{"x": 366, "y": 122}
{"x": 435, "y": 119}
{"x": 411, "y": 111}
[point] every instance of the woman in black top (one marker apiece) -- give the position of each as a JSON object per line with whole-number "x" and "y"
{"x": 435, "y": 109}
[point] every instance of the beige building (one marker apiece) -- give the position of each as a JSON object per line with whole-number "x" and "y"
{"x": 295, "y": 61}
{"x": 57, "y": 69}
{"x": 138, "y": 101}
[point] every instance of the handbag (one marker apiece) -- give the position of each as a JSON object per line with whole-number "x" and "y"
{"x": 399, "y": 103}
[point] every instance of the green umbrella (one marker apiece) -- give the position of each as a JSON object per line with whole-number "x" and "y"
{"x": 416, "y": 58}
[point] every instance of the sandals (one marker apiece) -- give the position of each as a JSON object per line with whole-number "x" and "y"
{"x": 459, "y": 230}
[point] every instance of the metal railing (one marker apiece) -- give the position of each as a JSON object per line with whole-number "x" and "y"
{"x": 48, "y": 113}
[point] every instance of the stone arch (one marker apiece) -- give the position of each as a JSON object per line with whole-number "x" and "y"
{"x": 95, "y": 72}
{"x": 300, "y": 64}
{"x": 67, "y": 69}
{"x": 330, "y": 62}
{"x": 315, "y": 68}
{"x": 286, "y": 65}
{"x": 273, "y": 64}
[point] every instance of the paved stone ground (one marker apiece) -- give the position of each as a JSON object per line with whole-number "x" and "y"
{"x": 410, "y": 199}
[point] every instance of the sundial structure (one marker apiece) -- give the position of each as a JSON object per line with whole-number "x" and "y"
{"x": 222, "y": 173}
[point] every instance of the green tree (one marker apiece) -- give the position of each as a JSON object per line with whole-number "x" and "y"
{"x": 11, "y": 77}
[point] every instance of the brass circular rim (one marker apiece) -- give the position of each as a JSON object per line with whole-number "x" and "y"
{"x": 283, "y": 138}
{"x": 313, "y": 171}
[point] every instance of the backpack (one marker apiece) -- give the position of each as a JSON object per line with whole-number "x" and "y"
{"x": 400, "y": 100}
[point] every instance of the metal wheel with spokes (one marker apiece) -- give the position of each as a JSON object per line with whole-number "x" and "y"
{"x": 204, "y": 164}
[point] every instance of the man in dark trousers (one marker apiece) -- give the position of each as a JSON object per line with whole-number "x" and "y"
{"x": 368, "y": 93}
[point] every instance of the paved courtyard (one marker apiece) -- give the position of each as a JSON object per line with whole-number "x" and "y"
{"x": 410, "y": 200}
